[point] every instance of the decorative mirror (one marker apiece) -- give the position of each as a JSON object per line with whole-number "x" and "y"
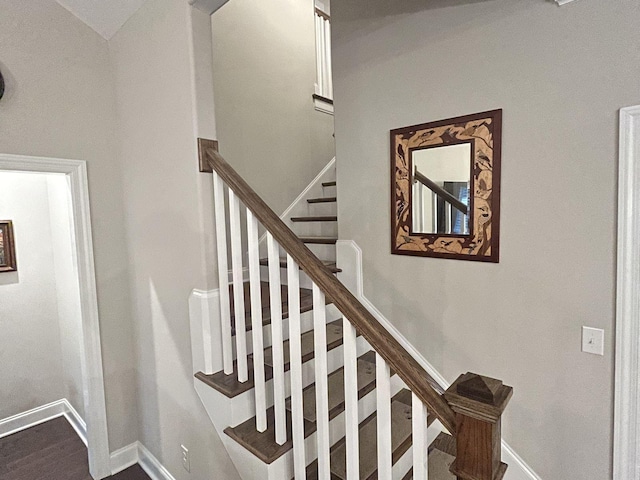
{"x": 445, "y": 192}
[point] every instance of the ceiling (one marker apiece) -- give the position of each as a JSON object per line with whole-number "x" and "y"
{"x": 107, "y": 16}
{"x": 104, "y": 16}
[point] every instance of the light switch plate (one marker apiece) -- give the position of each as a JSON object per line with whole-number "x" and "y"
{"x": 593, "y": 340}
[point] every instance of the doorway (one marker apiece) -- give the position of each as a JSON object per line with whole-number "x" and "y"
{"x": 67, "y": 179}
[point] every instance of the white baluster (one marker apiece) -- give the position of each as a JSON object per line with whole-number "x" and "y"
{"x": 323, "y": 59}
{"x": 256, "y": 322}
{"x": 277, "y": 347}
{"x": 321, "y": 383}
{"x": 351, "y": 399}
{"x": 319, "y": 47}
{"x": 327, "y": 46}
{"x": 435, "y": 213}
{"x": 238, "y": 286}
{"x": 420, "y": 441}
{"x": 223, "y": 276}
{"x": 383, "y": 416}
{"x": 295, "y": 357}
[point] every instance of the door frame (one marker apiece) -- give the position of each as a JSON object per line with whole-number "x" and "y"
{"x": 626, "y": 443}
{"x": 93, "y": 374}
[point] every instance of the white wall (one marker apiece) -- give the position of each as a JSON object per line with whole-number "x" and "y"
{"x": 60, "y": 103}
{"x": 67, "y": 289}
{"x": 40, "y": 357}
{"x": 264, "y": 76}
{"x": 166, "y": 200}
{"x": 31, "y": 372}
{"x": 560, "y": 74}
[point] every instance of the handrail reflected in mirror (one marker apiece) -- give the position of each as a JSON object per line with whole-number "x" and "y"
{"x": 440, "y": 192}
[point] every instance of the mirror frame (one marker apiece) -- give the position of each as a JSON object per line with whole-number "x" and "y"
{"x": 484, "y": 132}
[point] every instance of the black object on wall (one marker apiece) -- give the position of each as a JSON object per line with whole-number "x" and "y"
{"x": 1, "y": 85}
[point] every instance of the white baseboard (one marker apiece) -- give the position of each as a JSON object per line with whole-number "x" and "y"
{"x": 152, "y": 466}
{"x": 76, "y": 421}
{"x": 124, "y": 458}
{"x": 350, "y": 261}
{"x": 137, "y": 453}
{"x": 36, "y": 416}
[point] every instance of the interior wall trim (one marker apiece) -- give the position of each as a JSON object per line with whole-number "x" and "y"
{"x": 93, "y": 376}
{"x": 42, "y": 414}
{"x": 137, "y": 453}
{"x": 626, "y": 442}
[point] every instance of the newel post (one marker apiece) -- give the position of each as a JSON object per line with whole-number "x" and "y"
{"x": 478, "y": 403}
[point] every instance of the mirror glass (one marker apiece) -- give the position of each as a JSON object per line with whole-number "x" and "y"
{"x": 441, "y": 180}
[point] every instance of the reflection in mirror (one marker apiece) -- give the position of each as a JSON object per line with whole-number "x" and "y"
{"x": 440, "y": 193}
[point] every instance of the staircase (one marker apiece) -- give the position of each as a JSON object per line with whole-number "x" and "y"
{"x": 309, "y": 385}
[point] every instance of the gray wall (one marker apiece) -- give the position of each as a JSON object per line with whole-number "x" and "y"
{"x": 166, "y": 202}
{"x": 560, "y": 74}
{"x": 264, "y": 75}
{"x": 60, "y": 103}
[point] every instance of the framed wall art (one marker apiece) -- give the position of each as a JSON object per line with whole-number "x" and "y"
{"x": 445, "y": 188}
{"x": 7, "y": 247}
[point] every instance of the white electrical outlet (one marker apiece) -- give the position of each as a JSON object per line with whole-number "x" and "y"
{"x": 593, "y": 340}
{"x": 186, "y": 461}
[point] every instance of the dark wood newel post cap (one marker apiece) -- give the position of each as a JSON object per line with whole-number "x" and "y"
{"x": 482, "y": 398}
{"x": 478, "y": 403}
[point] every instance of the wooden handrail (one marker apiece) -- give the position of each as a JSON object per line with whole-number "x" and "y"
{"x": 406, "y": 367}
{"x": 441, "y": 192}
{"x": 322, "y": 14}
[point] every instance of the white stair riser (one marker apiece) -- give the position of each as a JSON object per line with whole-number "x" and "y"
{"x": 306, "y": 325}
{"x": 316, "y": 229}
{"x": 243, "y": 405}
{"x": 367, "y": 406}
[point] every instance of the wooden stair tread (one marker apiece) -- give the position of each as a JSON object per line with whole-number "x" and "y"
{"x": 442, "y": 453}
{"x": 319, "y": 240}
{"x": 366, "y": 383}
{"x": 331, "y": 265}
{"x": 333, "y": 218}
{"x": 323, "y": 200}
{"x": 306, "y": 303}
{"x": 229, "y": 385}
{"x": 264, "y": 446}
{"x": 401, "y": 441}
{"x": 329, "y": 184}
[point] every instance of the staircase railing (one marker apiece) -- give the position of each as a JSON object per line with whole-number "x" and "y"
{"x": 470, "y": 409}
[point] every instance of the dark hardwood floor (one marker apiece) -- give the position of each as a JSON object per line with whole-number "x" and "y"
{"x": 50, "y": 451}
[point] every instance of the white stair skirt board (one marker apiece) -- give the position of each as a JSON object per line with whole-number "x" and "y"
{"x": 299, "y": 207}
{"x": 349, "y": 256}
{"x": 36, "y": 416}
{"x": 137, "y": 453}
{"x": 626, "y": 455}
